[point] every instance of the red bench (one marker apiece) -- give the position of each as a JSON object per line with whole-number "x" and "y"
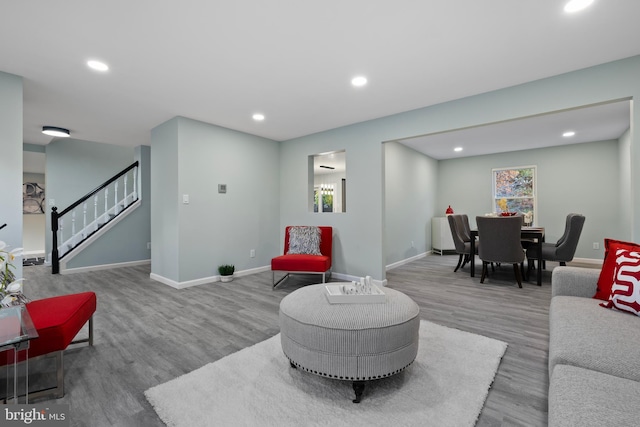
{"x": 57, "y": 320}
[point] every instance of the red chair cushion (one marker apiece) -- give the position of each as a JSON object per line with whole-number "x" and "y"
{"x": 300, "y": 262}
{"x": 57, "y": 320}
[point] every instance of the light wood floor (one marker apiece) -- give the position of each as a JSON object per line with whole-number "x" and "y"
{"x": 147, "y": 333}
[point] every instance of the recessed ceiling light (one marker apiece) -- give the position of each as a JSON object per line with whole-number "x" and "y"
{"x": 359, "y": 81}
{"x": 258, "y": 117}
{"x": 97, "y": 65}
{"x": 457, "y": 149}
{"x": 55, "y": 131}
{"x": 568, "y": 134}
{"x": 577, "y": 5}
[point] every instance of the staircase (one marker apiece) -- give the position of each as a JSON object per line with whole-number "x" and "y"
{"x": 79, "y": 225}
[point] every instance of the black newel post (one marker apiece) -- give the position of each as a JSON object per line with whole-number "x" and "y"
{"x": 55, "y": 262}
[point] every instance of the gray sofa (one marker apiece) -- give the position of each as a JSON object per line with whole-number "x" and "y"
{"x": 594, "y": 356}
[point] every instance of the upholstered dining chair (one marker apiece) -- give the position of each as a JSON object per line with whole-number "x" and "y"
{"x": 500, "y": 237}
{"x": 461, "y": 233}
{"x": 564, "y": 249}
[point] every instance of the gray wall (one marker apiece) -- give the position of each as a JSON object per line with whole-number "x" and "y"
{"x": 73, "y": 169}
{"x": 410, "y": 187}
{"x": 213, "y": 228}
{"x": 570, "y": 178}
{"x": 11, "y": 162}
{"x": 165, "y": 225}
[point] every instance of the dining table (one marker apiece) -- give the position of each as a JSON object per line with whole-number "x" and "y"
{"x": 535, "y": 233}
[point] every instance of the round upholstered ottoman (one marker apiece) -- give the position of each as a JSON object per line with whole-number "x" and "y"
{"x": 352, "y": 342}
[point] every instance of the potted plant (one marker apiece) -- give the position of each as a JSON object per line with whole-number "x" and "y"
{"x": 226, "y": 272}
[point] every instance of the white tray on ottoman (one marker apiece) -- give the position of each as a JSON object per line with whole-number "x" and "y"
{"x": 336, "y": 295}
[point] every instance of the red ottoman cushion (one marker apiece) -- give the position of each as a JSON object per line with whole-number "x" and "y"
{"x": 57, "y": 320}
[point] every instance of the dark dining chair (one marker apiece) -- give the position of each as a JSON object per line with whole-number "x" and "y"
{"x": 500, "y": 237}
{"x": 461, "y": 234}
{"x": 564, "y": 249}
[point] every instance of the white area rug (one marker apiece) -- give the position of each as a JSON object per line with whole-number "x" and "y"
{"x": 446, "y": 386}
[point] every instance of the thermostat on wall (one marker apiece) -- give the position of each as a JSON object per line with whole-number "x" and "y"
{"x": 222, "y": 188}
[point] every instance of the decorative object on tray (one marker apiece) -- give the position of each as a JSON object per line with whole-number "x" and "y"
{"x": 226, "y": 272}
{"x": 449, "y": 211}
{"x": 363, "y": 292}
{"x": 10, "y": 288}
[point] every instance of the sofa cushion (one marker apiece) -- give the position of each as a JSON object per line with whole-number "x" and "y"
{"x": 579, "y": 397}
{"x": 625, "y": 291}
{"x": 581, "y": 333}
{"x": 605, "y": 281}
{"x": 304, "y": 240}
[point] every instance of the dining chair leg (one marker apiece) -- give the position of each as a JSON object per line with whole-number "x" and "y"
{"x": 465, "y": 261}
{"x": 484, "y": 271}
{"x": 516, "y": 270}
{"x": 459, "y": 262}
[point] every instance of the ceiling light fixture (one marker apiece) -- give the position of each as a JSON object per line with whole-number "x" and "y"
{"x": 359, "y": 81}
{"x": 55, "y": 131}
{"x": 457, "y": 149}
{"x": 577, "y": 5}
{"x": 97, "y": 65}
{"x": 568, "y": 134}
{"x": 258, "y": 117}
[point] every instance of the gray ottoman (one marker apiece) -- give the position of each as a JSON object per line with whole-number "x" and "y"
{"x": 352, "y": 342}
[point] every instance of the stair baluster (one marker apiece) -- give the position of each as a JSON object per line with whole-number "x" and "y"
{"x": 116, "y": 205}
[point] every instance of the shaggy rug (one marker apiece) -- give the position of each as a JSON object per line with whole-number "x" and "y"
{"x": 445, "y": 386}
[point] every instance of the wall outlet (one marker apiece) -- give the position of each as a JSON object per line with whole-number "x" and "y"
{"x": 185, "y": 199}
{"x": 148, "y": 245}
{"x": 596, "y": 245}
{"x": 413, "y": 245}
{"x": 252, "y": 253}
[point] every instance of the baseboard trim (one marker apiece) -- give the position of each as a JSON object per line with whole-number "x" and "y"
{"x": 406, "y": 261}
{"x": 104, "y": 266}
{"x": 204, "y": 280}
{"x": 589, "y": 261}
{"x": 211, "y": 279}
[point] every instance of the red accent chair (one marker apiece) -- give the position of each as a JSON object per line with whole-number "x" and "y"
{"x": 303, "y": 263}
{"x": 57, "y": 320}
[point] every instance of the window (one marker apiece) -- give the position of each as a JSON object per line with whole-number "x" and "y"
{"x": 514, "y": 190}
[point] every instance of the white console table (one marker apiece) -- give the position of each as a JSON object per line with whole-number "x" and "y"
{"x": 441, "y": 239}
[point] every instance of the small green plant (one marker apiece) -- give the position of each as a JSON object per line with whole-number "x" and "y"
{"x": 226, "y": 270}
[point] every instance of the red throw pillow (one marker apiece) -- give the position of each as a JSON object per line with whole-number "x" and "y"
{"x": 605, "y": 281}
{"x": 625, "y": 292}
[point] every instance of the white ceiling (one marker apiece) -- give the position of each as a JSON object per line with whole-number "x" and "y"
{"x": 594, "y": 123}
{"x": 219, "y": 62}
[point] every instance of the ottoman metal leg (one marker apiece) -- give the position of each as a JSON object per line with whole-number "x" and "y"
{"x": 358, "y": 387}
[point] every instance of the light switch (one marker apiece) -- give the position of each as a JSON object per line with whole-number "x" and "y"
{"x": 185, "y": 199}
{"x": 222, "y": 188}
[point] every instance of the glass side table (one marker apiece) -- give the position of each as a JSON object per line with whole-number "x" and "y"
{"x": 16, "y": 331}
